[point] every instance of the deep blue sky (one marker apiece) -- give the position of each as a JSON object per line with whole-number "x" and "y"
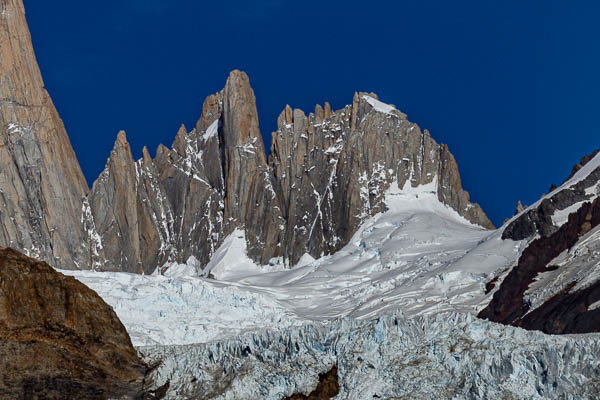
{"x": 513, "y": 87}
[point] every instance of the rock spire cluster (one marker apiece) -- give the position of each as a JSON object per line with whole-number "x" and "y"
{"x": 327, "y": 172}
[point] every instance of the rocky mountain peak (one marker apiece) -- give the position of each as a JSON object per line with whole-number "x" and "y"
{"x": 211, "y": 111}
{"x": 120, "y": 160}
{"x": 121, "y": 146}
{"x": 146, "y": 158}
{"x": 327, "y": 110}
{"x": 328, "y": 171}
{"x": 240, "y": 116}
{"x": 180, "y": 141}
{"x": 345, "y": 160}
{"x": 285, "y": 118}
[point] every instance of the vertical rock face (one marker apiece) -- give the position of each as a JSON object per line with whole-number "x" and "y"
{"x": 250, "y": 200}
{"x": 332, "y": 169}
{"x": 129, "y": 214}
{"x": 189, "y": 198}
{"x": 326, "y": 174}
{"x": 41, "y": 184}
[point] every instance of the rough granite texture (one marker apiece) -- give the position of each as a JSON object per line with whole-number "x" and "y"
{"x": 59, "y": 339}
{"x": 129, "y": 213}
{"x": 326, "y": 174}
{"x": 41, "y": 183}
{"x": 332, "y": 168}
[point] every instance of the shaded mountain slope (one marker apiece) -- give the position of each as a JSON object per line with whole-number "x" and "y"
{"x": 555, "y": 286}
{"x": 59, "y": 339}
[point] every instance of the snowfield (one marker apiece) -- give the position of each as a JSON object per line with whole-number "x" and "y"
{"x": 420, "y": 257}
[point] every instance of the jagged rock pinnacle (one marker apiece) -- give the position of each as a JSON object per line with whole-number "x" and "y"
{"x": 327, "y": 173}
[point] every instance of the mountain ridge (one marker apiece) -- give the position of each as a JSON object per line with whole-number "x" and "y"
{"x": 324, "y": 176}
{"x": 317, "y": 186}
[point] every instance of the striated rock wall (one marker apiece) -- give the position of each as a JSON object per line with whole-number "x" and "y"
{"x": 332, "y": 168}
{"x": 189, "y": 198}
{"x": 327, "y": 172}
{"x": 41, "y": 183}
{"x": 129, "y": 214}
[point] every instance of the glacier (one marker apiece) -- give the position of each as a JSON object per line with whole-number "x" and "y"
{"x": 445, "y": 356}
{"x": 394, "y": 311}
{"x": 420, "y": 256}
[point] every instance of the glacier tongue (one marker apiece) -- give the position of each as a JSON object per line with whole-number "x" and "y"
{"x": 447, "y": 356}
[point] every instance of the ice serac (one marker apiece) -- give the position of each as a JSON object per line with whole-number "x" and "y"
{"x": 450, "y": 356}
{"x": 132, "y": 221}
{"x": 41, "y": 183}
{"x": 332, "y": 168}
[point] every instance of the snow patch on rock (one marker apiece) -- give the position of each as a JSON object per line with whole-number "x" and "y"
{"x": 380, "y": 106}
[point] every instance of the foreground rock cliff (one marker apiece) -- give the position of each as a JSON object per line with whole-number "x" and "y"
{"x": 59, "y": 339}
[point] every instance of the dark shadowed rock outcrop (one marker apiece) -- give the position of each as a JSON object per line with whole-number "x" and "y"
{"x": 327, "y": 388}
{"x": 582, "y": 162}
{"x": 41, "y": 183}
{"x": 59, "y": 339}
{"x": 570, "y": 309}
{"x": 538, "y": 219}
{"x": 554, "y": 286}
